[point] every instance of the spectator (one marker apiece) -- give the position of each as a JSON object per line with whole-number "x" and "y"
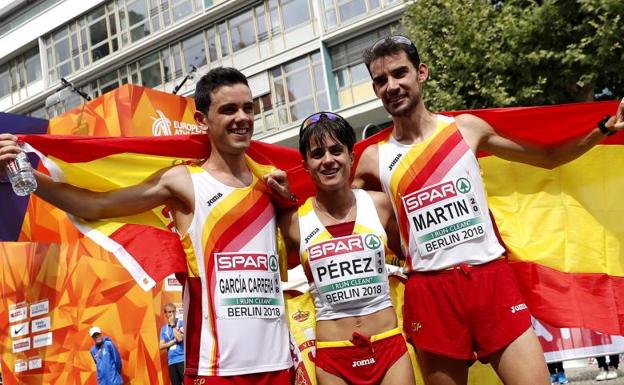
{"x": 172, "y": 339}
{"x": 608, "y": 372}
{"x": 106, "y": 357}
{"x": 557, "y": 374}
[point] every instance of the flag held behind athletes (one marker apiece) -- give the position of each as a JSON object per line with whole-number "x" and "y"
{"x": 561, "y": 227}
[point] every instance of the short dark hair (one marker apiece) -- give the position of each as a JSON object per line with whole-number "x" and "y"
{"x": 327, "y": 123}
{"x": 391, "y": 45}
{"x": 214, "y": 79}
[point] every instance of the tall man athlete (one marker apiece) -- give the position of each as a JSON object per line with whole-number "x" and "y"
{"x": 223, "y": 213}
{"x": 459, "y": 292}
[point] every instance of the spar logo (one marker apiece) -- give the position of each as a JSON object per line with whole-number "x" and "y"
{"x": 249, "y": 261}
{"x": 426, "y": 197}
{"x": 372, "y": 241}
{"x": 336, "y": 246}
{"x": 162, "y": 126}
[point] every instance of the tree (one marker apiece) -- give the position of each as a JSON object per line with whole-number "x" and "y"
{"x": 485, "y": 53}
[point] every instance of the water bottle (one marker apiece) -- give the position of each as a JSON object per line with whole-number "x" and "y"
{"x": 21, "y": 175}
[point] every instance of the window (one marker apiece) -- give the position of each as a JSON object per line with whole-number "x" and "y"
{"x": 107, "y": 28}
{"x": 242, "y": 31}
{"x": 194, "y": 52}
{"x": 150, "y": 71}
{"x": 298, "y": 89}
{"x": 337, "y": 12}
{"x": 294, "y": 12}
{"x": 350, "y": 73}
{"x": 33, "y": 65}
{"x": 20, "y": 72}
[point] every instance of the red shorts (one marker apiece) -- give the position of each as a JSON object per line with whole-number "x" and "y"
{"x": 467, "y": 312}
{"x": 363, "y": 360}
{"x": 280, "y": 377}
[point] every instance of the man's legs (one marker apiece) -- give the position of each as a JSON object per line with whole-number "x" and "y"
{"x": 440, "y": 370}
{"x": 521, "y": 362}
{"x": 176, "y": 373}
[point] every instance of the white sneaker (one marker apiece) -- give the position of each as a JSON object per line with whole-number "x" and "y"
{"x": 602, "y": 375}
{"x": 612, "y": 374}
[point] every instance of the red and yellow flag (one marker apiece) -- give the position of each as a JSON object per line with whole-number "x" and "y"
{"x": 561, "y": 227}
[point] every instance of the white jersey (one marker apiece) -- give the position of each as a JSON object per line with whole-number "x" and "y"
{"x": 233, "y": 303}
{"x": 439, "y": 199}
{"x": 347, "y": 274}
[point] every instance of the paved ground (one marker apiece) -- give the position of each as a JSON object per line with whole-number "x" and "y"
{"x": 586, "y": 375}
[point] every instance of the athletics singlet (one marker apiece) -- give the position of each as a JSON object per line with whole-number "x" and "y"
{"x": 233, "y": 303}
{"x": 347, "y": 274}
{"x": 439, "y": 200}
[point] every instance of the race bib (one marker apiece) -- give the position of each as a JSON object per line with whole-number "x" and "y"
{"x": 444, "y": 215}
{"x": 248, "y": 286}
{"x": 349, "y": 268}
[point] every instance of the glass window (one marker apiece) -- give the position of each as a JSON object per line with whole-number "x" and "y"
{"x": 359, "y": 73}
{"x": 194, "y": 51}
{"x": 166, "y": 64}
{"x": 223, "y": 39}
{"x": 177, "y": 61}
{"x": 150, "y": 71}
{"x": 261, "y": 23}
{"x": 294, "y": 12}
{"x": 97, "y": 32}
{"x": 4, "y": 81}
{"x": 137, "y": 16}
{"x": 181, "y": 9}
{"x": 330, "y": 13}
{"x": 109, "y": 82}
{"x": 33, "y": 66}
{"x": 155, "y": 15}
{"x": 274, "y": 18}
{"x": 242, "y": 31}
{"x": 212, "y": 45}
{"x": 350, "y": 9}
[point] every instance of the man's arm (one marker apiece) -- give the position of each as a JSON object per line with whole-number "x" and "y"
{"x": 366, "y": 174}
{"x": 388, "y": 221}
{"x": 481, "y": 136}
{"x": 116, "y": 356}
{"x": 159, "y": 189}
{"x": 163, "y": 343}
{"x": 288, "y": 223}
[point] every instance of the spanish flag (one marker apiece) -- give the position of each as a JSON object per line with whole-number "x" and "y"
{"x": 145, "y": 244}
{"x": 561, "y": 227}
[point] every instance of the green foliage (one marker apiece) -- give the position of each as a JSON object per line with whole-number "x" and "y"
{"x": 484, "y": 53}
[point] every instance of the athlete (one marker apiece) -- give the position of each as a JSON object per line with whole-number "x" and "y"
{"x": 236, "y": 331}
{"x": 343, "y": 246}
{"x": 461, "y": 299}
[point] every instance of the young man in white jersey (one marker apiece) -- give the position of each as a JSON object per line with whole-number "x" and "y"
{"x": 343, "y": 236}
{"x": 459, "y": 292}
{"x": 223, "y": 345}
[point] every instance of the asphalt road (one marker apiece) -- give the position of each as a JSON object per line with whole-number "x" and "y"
{"x": 586, "y": 375}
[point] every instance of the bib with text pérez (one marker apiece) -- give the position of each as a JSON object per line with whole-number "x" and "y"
{"x": 248, "y": 286}
{"x": 349, "y": 268}
{"x": 444, "y": 215}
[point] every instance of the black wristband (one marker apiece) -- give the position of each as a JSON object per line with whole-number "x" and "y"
{"x": 602, "y": 126}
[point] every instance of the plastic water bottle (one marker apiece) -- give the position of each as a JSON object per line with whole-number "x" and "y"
{"x": 21, "y": 175}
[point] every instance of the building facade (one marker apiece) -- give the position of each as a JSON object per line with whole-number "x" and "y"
{"x": 300, "y": 56}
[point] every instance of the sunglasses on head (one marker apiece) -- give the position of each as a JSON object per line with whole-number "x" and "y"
{"x": 316, "y": 117}
{"x": 399, "y": 39}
